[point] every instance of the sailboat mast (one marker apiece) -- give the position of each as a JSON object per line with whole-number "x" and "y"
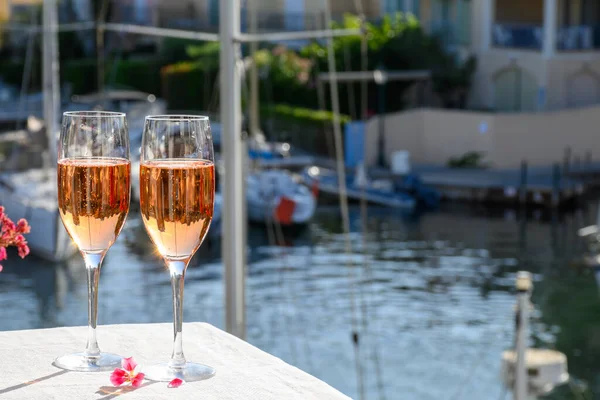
{"x": 234, "y": 215}
{"x": 50, "y": 76}
{"x": 254, "y": 88}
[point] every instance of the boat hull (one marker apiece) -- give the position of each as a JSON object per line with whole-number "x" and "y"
{"x": 48, "y": 238}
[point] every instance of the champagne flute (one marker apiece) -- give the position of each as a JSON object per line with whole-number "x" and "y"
{"x": 177, "y": 190}
{"x": 93, "y": 200}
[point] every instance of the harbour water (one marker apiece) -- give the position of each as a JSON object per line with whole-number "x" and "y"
{"x": 430, "y": 297}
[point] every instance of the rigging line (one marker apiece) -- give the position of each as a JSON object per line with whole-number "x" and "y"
{"x": 350, "y": 84}
{"x": 363, "y": 203}
{"x": 100, "y": 33}
{"x": 339, "y": 151}
{"x": 31, "y": 37}
{"x": 321, "y": 103}
{"x": 276, "y": 239}
{"x": 213, "y": 104}
{"x": 285, "y": 255}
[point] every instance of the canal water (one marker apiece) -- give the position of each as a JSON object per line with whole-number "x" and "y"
{"x": 429, "y": 298}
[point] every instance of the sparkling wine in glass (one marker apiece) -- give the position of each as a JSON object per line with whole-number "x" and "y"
{"x": 177, "y": 191}
{"x": 93, "y": 201}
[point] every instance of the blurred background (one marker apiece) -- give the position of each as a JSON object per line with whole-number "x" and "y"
{"x": 468, "y": 146}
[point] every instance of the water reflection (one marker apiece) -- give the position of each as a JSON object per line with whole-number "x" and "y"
{"x": 421, "y": 309}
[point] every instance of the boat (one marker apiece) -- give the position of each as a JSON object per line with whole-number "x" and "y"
{"x": 31, "y": 195}
{"x": 260, "y": 148}
{"x": 274, "y": 195}
{"x": 29, "y": 191}
{"x": 358, "y": 187}
{"x": 136, "y": 104}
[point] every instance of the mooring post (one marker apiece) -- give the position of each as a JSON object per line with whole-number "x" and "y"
{"x": 524, "y": 287}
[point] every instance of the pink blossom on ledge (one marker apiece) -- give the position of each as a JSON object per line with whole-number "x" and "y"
{"x": 128, "y": 373}
{"x": 175, "y": 383}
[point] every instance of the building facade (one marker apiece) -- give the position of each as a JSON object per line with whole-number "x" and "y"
{"x": 535, "y": 55}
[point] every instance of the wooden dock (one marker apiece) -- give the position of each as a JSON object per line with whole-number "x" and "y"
{"x": 541, "y": 186}
{"x": 548, "y": 187}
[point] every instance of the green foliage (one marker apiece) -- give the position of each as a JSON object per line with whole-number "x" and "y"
{"x": 12, "y": 73}
{"x": 174, "y": 50}
{"x": 189, "y": 85}
{"x": 471, "y": 159}
{"x": 301, "y": 115}
{"x": 286, "y": 77}
{"x": 397, "y": 42}
{"x": 140, "y": 74}
{"x": 208, "y": 52}
{"x": 304, "y": 128}
{"x": 80, "y": 74}
{"x": 452, "y": 80}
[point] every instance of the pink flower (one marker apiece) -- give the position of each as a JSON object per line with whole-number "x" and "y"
{"x": 23, "y": 226}
{"x": 128, "y": 373}
{"x": 23, "y": 250}
{"x": 175, "y": 383}
{"x": 12, "y": 235}
{"x": 7, "y": 225}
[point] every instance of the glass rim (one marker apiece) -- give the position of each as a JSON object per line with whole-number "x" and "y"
{"x": 177, "y": 117}
{"x": 91, "y": 113}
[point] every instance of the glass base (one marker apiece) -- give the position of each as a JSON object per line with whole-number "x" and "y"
{"x": 189, "y": 373}
{"x": 81, "y": 362}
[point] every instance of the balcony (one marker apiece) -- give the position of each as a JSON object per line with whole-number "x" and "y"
{"x": 578, "y": 38}
{"x": 518, "y": 36}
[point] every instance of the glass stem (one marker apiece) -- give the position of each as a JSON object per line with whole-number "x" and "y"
{"x": 92, "y": 265}
{"x": 177, "y": 270}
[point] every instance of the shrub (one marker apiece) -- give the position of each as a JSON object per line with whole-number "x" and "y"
{"x": 306, "y": 129}
{"x": 140, "y": 74}
{"x": 81, "y": 75}
{"x": 188, "y": 86}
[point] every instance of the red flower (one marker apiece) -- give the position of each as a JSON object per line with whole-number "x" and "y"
{"x": 128, "y": 373}
{"x": 175, "y": 383}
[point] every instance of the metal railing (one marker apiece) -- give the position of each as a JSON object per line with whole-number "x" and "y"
{"x": 518, "y": 36}
{"x": 578, "y": 38}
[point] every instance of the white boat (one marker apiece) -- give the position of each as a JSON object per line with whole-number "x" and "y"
{"x": 136, "y": 104}
{"x": 274, "y": 195}
{"x": 32, "y": 195}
